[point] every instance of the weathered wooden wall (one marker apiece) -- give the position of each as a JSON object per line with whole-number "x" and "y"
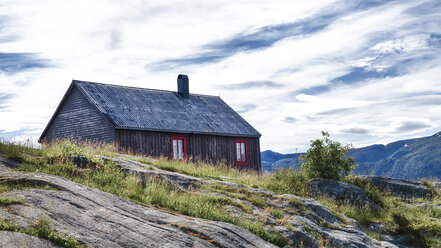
{"x": 79, "y": 119}
{"x": 210, "y": 148}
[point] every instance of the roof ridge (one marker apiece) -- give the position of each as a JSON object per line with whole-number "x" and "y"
{"x": 140, "y": 88}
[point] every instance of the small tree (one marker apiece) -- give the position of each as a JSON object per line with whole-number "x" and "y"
{"x": 327, "y": 159}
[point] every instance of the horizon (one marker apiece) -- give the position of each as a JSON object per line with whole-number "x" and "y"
{"x": 367, "y": 72}
{"x": 358, "y": 147}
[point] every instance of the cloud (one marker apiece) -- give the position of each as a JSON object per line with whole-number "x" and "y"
{"x": 246, "y": 108}
{"x": 266, "y": 36}
{"x": 435, "y": 40}
{"x": 290, "y": 119}
{"x": 4, "y": 98}
{"x": 340, "y": 111}
{"x": 360, "y": 74}
{"x": 314, "y": 90}
{"x": 408, "y": 126}
{"x": 355, "y": 130}
{"x": 424, "y": 100}
{"x": 356, "y": 75}
{"x": 424, "y": 9}
{"x": 115, "y": 39}
{"x": 17, "y": 62}
{"x": 261, "y": 38}
{"x": 252, "y": 84}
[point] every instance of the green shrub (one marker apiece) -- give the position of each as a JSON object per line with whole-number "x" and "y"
{"x": 327, "y": 159}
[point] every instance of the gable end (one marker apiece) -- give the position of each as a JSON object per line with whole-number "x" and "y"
{"x": 76, "y": 117}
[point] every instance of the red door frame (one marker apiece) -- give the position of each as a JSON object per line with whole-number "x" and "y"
{"x": 184, "y": 141}
{"x": 246, "y": 151}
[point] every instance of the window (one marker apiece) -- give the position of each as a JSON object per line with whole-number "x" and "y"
{"x": 241, "y": 152}
{"x": 178, "y": 147}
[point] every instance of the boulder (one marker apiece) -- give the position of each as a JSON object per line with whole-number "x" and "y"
{"x": 400, "y": 187}
{"x": 400, "y": 241}
{"x": 377, "y": 228}
{"x": 341, "y": 191}
{"x": 6, "y": 164}
{"x": 79, "y": 161}
{"x": 385, "y": 244}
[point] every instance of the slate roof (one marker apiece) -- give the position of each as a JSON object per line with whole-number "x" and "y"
{"x": 158, "y": 110}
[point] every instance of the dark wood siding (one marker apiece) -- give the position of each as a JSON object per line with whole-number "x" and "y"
{"x": 211, "y": 148}
{"x": 79, "y": 119}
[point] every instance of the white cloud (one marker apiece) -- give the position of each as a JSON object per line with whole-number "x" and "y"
{"x": 408, "y": 44}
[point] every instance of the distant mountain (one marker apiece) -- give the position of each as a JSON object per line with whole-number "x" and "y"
{"x": 410, "y": 159}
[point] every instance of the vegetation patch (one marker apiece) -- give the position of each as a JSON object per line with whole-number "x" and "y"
{"x": 9, "y": 185}
{"x": 432, "y": 188}
{"x": 373, "y": 235}
{"x": 197, "y": 168}
{"x": 296, "y": 203}
{"x": 6, "y": 201}
{"x": 372, "y": 192}
{"x": 193, "y": 233}
{"x": 16, "y": 151}
{"x": 277, "y": 213}
{"x": 42, "y": 229}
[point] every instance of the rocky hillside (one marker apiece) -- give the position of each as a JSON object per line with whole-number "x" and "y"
{"x": 410, "y": 159}
{"x": 69, "y": 196}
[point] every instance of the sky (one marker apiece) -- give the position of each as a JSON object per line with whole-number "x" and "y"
{"x": 366, "y": 71}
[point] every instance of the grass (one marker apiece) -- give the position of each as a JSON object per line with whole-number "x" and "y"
{"x": 278, "y": 213}
{"x": 372, "y": 192}
{"x": 197, "y": 169}
{"x": 16, "y": 151}
{"x": 6, "y": 201}
{"x": 297, "y": 203}
{"x": 284, "y": 181}
{"x": 421, "y": 223}
{"x": 373, "y": 235}
{"x": 42, "y": 229}
{"x": 398, "y": 217}
{"x": 432, "y": 188}
{"x": 7, "y": 185}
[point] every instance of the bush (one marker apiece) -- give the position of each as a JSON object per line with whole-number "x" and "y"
{"x": 327, "y": 159}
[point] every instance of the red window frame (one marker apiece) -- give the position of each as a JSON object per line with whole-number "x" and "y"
{"x": 239, "y": 141}
{"x": 184, "y": 142}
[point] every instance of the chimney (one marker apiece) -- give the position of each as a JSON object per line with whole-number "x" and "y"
{"x": 183, "y": 89}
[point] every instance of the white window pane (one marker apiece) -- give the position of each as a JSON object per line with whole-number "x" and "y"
{"x": 180, "y": 149}
{"x": 242, "y": 151}
{"x": 238, "y": 151}
{"x": 175, "y": 149}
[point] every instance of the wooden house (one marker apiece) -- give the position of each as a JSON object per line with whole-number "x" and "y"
{"x": 177, "y": 125}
